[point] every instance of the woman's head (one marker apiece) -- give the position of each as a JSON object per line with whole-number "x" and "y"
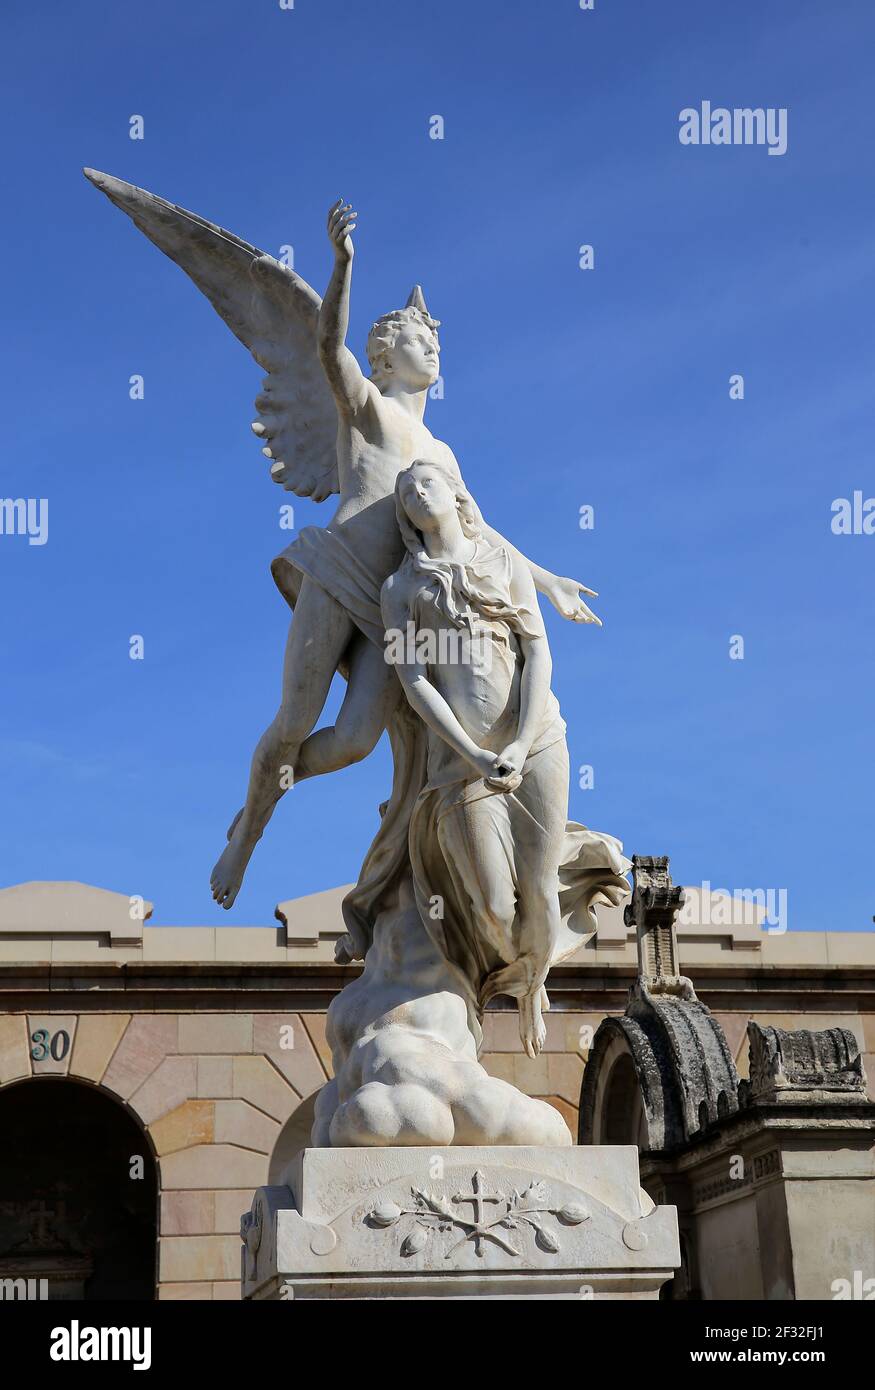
{"x": 427, "y": 494}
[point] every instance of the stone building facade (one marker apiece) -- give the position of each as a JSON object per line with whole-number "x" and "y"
{"x": 179, "y": 1065}
{"x": 772, "y": 1174}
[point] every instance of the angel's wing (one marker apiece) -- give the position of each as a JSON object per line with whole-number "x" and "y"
{"x": 273, "y": 312}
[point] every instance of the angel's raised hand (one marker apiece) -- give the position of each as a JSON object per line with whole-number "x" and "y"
{"x": 341, "y": 223}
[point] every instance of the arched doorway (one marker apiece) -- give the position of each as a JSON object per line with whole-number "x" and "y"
{"x": 622, "y": 1103}
{"x": 612, "y": 1103}
{"x": 78, "y": 1192}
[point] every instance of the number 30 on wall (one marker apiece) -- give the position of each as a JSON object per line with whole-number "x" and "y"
{"x": 57, "y": 1046}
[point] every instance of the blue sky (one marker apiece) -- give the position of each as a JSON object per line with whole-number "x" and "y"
{"x": 564, "y": 388}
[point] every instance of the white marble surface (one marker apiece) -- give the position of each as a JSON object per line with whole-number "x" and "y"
{"x": 476, "y": 882}
{"x": 569, "y": 1223}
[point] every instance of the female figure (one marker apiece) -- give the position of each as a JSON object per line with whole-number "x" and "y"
{"x": 497, "y": 869}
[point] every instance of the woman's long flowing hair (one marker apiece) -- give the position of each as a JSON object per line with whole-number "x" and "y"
{"x": 460, "y": 591}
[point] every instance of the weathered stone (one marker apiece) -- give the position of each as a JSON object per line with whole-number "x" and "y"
{"x": 199, "y": 1258}
{"x": 284, "y": 1039}
{"x": 189, "y": 1124}
{"x": 227, "y": 1207}
{"x": 315, "y": 1026}
{"x": 257, "y": 1081}
{"x": 237, "y": 1122}
{"x": 222, "y": 1033}
{"x": 14, "y": 1047}
{"x": 213, "y": 1166}
{"x": 147, "y": 1041}
{"x": 188, "y": 1213}
{"x": 776, "y": 1201}
{"x": 684, "y": 1074}
{"x": 804, "y": 1065}
{"x": 192, "y": 1292}
{"x": 171, "y": 1083}
{"x": 97, "y": 1037}
{"x": 215, "y": 1077}
{"x": 227, "y": 1292}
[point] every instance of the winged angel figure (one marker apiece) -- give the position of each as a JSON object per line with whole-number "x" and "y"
{"x": 327, "y": 428}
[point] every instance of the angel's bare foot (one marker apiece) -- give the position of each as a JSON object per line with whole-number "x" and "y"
{"x": 227, "y": 876}
{"x": 533, "y": 1030}
{"x": 235, "y": 822}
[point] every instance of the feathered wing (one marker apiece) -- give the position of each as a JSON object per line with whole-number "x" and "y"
{"x": 273, "y": 312}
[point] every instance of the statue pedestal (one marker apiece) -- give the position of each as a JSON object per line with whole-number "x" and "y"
{"x": 367, "y": 1223}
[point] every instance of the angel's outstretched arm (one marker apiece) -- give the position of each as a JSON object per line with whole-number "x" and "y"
{"x": 345, "y": 376}
{"x": 564, "y": 594}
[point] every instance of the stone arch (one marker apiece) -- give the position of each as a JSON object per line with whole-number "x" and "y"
{"x": 614, "y": 1107}
{"x": 621, "y": 1120}
{"x": 80, "y": 1185}
{"x": 294, "y": 1136}
{"x": 211, "y": 1090}
{"x": 685, "y": 1075}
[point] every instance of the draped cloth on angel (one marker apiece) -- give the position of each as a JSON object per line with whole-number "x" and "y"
{"x": 324, "y": 556}
{"x": 434, "y": 792}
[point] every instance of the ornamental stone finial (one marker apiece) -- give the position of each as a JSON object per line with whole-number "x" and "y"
{"x": 652, "y": 911}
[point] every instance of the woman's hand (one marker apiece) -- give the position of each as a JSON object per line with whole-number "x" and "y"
{"x": 496, "y": 773}
{"x": 482, "y": 761}
{"x": 507, "y": 768}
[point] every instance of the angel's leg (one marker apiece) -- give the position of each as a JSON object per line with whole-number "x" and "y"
{"x": 319, "y": 634}
{"x": 372, "y": 692}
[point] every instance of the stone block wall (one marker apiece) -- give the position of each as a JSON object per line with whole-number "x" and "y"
{"x": 223, "y": 1096}
{"x": 211, "y": 1092}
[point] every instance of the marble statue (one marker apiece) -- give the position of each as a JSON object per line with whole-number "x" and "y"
{"x": 489, "y": 834}
{"x": 476, "y": 882}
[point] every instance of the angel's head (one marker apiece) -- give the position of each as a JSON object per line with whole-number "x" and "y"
{"x": 403, "y": 347}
